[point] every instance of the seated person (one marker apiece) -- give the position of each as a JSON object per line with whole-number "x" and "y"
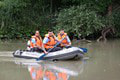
{"x": 66, "y": 42}
{"x": 36, "y": 43}
{"x": 50, "y": 41}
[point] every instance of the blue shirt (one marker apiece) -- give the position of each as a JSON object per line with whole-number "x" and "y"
{"x": 46, "y": 40}
{"x": 33, "y": 40}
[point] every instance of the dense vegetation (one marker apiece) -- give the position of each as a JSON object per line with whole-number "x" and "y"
{"x": 79, "y": 18}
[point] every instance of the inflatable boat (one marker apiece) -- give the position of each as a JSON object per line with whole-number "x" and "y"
{"x": 64, "y": 54}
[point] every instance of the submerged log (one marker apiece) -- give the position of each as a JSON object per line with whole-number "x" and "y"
{"x": 81, "y": 41}
{"x": 109, "y": 29}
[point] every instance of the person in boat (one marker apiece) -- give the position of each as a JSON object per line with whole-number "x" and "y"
{"x": 50, "y": 41}
{"x": 66, "y": 42}
{"x": 36, "y": 43}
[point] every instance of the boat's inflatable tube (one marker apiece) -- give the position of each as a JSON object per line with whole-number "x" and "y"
{"x": 64, "y": 54}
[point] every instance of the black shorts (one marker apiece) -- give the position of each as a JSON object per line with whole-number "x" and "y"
{"x": 54, "y": 49}
{"x": 36, "y": 49}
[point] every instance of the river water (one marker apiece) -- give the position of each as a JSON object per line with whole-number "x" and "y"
{"x": 103, "y": 64}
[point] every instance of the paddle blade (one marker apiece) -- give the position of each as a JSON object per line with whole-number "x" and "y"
{"x": 84, "y": 50}
{"x": 41, "y": 57}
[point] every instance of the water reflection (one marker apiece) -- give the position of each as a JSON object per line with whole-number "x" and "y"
{"x": 53, "y": 71}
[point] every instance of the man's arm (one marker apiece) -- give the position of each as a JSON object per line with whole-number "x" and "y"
{"x": 45, "y": 40}
{"x": 68, "y": 39}
{"x": 43, "y": 48}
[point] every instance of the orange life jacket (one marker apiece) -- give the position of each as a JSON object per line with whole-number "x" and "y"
{"x": 61, "y": 37}
{"x": 51, "y": 42}
{"x": 38, "y": 73}
{"x": 32, "y": 71}
{"x": 38, "y": 42}
{"x": 62, "y": 76}
{"x": 50, "y": 75}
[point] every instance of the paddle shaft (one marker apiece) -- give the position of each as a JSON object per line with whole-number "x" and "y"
{"x": 84, "y": 49}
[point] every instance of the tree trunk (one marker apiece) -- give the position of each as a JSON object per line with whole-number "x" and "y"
{"x": 2, "y": 24}
{"x": 109, "y": 28}
{"x": 51, "y": 6}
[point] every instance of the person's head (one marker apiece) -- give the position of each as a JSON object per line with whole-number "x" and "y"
{"x": 62, "y": 32}
{"x": 50, "y": 33}
{"x": 37, "y": 33}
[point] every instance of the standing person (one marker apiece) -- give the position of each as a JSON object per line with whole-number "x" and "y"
{"x": 36, "y": 43}
{"x": 66, "y": 42}
{"x": 50, "y": 41}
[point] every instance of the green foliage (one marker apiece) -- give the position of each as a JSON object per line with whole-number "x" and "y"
{"x": 116, "y": 15}
{"x": 99, "y": 6}
{"x": 1, "y": 4}
{"x": 20, "y": 18}
{"x": 79, "y": 20}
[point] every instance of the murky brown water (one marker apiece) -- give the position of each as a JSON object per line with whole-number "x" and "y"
{"x": 104, "y": 64}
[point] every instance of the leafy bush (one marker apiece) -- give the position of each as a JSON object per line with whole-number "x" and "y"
{"x": 20, "y": 18}
{"x": 116, "y": 15}
{"x": 79, "y": 20}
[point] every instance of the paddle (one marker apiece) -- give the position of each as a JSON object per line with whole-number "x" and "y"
{"x": 42, "y": 56}
{"x": 84, "y": 49}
